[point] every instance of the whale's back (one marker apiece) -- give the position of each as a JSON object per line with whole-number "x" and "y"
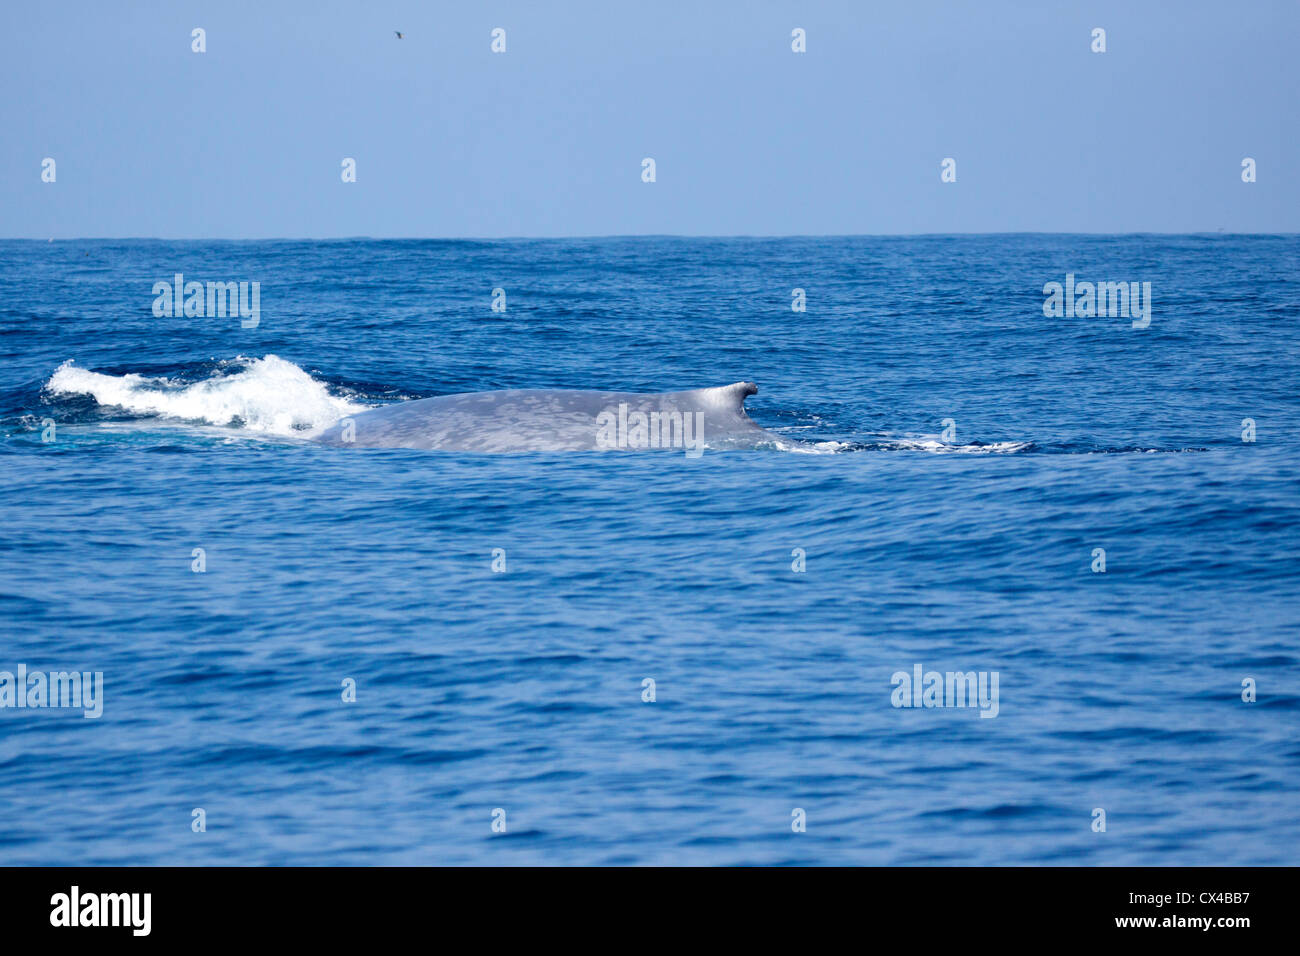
{"x": 557, "y": 420}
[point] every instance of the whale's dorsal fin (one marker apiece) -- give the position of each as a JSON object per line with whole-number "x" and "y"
{"x": 727, "y": 396}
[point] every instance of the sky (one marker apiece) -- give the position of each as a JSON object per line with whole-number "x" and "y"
{"x": 247, "y": 139}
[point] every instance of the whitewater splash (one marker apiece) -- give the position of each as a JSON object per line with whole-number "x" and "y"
{"x": 266, "y": 395}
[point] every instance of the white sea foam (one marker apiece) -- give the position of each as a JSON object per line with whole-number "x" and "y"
{"x": 935, "y": 446}
{"x": 267, "y": 395}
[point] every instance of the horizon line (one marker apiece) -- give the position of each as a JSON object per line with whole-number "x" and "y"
{"x": 647, "y": 235}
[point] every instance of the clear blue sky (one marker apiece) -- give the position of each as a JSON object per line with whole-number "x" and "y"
{"x": 246, "y": 140}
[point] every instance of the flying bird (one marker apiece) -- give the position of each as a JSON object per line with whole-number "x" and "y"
{"x": 399, "y": 34}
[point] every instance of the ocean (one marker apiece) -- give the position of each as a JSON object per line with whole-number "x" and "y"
{"x": 341, "y": 655}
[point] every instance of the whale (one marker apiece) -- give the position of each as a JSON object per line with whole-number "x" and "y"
{"x": 524, "y": 420}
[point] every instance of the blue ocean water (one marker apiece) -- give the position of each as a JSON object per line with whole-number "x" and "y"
{"x": 962, "y": 547}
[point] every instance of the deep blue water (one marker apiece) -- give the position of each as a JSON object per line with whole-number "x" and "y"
{"x": 522, "y": 690}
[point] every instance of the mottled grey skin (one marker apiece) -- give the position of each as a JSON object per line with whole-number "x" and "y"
{"x": 545, "y": 420}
